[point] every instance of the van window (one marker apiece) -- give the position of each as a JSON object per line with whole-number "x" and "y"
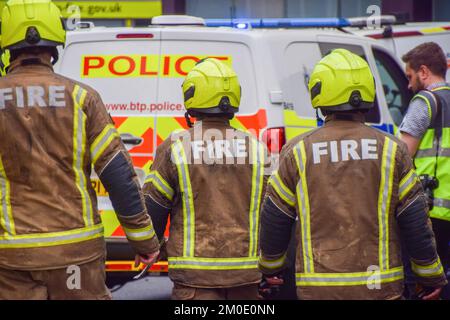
{"x": 373, "y": 115}
{"x": 300, "y": 58}
{"x": 395, "y": 85}
{"x": 178, "y": 57}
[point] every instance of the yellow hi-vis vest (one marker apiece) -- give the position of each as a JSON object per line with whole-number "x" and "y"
{"x": 434, "y": 154}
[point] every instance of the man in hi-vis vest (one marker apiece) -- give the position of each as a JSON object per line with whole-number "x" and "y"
{"x": 426, "y": 131}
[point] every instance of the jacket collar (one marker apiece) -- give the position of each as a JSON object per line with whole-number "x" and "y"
{"x": 338, "y": 117}
{"x": 30, "y": 62}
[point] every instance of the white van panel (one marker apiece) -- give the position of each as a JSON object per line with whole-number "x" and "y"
{"x": 403, "y": 45}
{"x": 187, "y": 52}
{"x": 299, "y": 62}
{"x": 123, "y": 73}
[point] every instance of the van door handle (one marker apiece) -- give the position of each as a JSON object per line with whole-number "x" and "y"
{"x": 128, "y": 138}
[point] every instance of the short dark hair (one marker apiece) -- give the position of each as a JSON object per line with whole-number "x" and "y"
{"x": 429, "y": 54}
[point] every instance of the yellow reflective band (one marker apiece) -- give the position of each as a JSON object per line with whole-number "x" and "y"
{"x": 6, "y": 217}
{"x": 348, "y": 279}
{"x": 407, "y": 183}
{"x": 213, "y": 263}
{"x": 79, "y": 146}
{"x": 140, "y": 234}
{"x": 102, "y": 141}
{"x": 441, "y": 88}
{"x": 179, "y": 157}
{"x": 161, "y": 184}
{"x": 304, "y": 209}
{"x": 272, "y": 264}
{"x": 384, "y": 200}
{"x": 52, "y": 238}
{"x": 427, "y": 102}
{"x": 255, "y": 198}
{"x": 433, "y": 30}
{"x": 432, "y": 270}
{"x": 282, "y": 190}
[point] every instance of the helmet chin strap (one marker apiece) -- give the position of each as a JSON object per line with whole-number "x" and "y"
{"x": 55, "y": 56}
{"x": 188, "y": 119}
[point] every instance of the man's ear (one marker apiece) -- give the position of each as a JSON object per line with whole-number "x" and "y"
{"x": 423, "y": 72}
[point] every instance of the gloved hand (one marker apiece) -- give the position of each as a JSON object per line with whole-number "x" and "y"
{"x": 147, "y": 259}
{"x": 427, "y": 293}
{"x": 269, "y": 287}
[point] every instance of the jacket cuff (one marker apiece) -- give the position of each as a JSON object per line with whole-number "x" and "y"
{"x": 140, "y": 233}
{"x": 271, "y": 265}
{"x": 429, "y": 274}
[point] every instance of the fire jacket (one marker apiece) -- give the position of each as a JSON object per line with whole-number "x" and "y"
{"x": 355, "y": 193}
{"x": 53, "y": 131}
{"x": 211, "y": 180}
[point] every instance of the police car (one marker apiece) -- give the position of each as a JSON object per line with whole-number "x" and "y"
{"x": 139, "y": 72}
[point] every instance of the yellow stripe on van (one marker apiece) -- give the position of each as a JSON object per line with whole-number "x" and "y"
{"x": 433, "y": 30}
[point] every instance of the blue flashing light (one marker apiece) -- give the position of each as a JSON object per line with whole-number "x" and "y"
{"x": 280, "y": 23}
{"x": 242, "y": 25}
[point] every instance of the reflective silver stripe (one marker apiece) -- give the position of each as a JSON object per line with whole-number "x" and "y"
{"x": 411, "y": 180}
{"x": 170, "y": 191}
{"x": 290, "y": 197}
{"x": 304, "y": 215}
{"x": 426, "y": 153}
{"x": 80, "y": 139}
{"x": 272, "y": 264}
{"x": 384, "y": 209}
{"x": 55, "y": 238}
{"x": 346, "y": 280}
{"x": 255, "y": 205}
{"x": 443, "y": 203}
{"x": 4, "y": 199}
{"x": 220, "y": 263}
{"x": 152, "y": 177}
{"x": 423, "y": 271}
{"x": 139, "y": 235}
{"x": 185, "y": 187}
{"x": 79, "y": 95}
{"x": 100, "y": 144}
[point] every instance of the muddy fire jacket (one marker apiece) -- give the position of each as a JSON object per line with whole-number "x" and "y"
{"x": 211, "y": 179}
{"x": 355, "y": 193}
{"x": 52, "y": 132}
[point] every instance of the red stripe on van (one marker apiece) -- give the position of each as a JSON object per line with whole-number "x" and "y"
{"x": 396, "y": 34}
{"x": 134, "y": 36}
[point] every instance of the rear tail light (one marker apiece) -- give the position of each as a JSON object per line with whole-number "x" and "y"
{"x": 275, "y": 139}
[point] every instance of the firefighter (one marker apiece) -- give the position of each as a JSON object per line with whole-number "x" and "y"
{"x": 53, "y": 130}
{"x": 425, "y": 130}
{"x": 211, "y": 180}
{"x": 355, "y": 192}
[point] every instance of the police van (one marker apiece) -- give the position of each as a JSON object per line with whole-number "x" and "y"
{"x": 139, "y": 72}
{"x": 402, "y": 37}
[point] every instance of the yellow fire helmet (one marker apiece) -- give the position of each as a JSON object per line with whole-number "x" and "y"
{"x": 31, "y": 23}
{"x": 342, "y": 81}
{"x": 211, "y": 87}
{"x": 4, "y": 63}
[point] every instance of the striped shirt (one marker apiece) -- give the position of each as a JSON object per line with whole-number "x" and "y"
{"x": 417, "y": 120}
